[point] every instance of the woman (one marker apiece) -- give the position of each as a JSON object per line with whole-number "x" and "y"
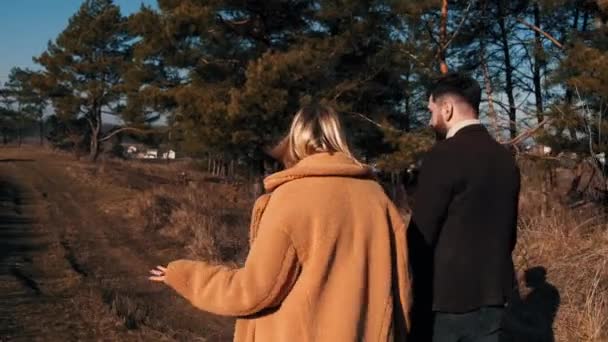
{"x": 328, "y": 258}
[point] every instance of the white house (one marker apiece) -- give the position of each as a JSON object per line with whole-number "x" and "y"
{"x": 169, "y": 155}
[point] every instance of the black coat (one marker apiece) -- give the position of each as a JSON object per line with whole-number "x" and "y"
{"x": 464, "y": 224}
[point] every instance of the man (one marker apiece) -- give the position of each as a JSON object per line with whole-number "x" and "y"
{"x": 464, "y": 222}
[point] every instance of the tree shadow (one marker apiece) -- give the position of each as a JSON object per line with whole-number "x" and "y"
{"x": 531, "y": 317}
{"x": 16, "y": 235}
{"x": 17, "y": 241}
{"x": 10, "y": 160}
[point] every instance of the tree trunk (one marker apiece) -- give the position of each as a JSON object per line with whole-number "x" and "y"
{"x": 489, "y": 90}
{"x": 95, "y": 136}
{"x": 585, "y": 21}
{"x": 94, "y": 146}
{"x": 406, "y": 119}
{"x": 41, "y": 128}
{"x": 538, "y": 52}
{"x": 569, "y": 90}
{"x": 20, "y": 134}
{"x": 20, "y": 125}
{"x": 508, "y": 70}
{"x": 443, "y": 37}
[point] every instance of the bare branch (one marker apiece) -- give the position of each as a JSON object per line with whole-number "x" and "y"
{"x": 527, "y": 133}
{"x": 431, "y": 34}
{"x": 489, "y": 91}
{"x": 544, "y": 33}
{"x": 506, "y": 107}
{"x": 237, "y": 22}
{"x": 129, "y": 129}
{"x": 417, "y": 60}
{"x": 364, "y": 117}
{"x": 587, "y": 112}
{"x": 91, "y": 125}
{"x": 354, "y": 84}
{"x": 457, "y": 31}
{"x": 443, "y": 36}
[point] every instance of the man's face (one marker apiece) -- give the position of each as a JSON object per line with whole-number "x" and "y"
{"x": 438, "y": 119}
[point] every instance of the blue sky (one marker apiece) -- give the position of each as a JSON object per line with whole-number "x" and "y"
{"x": 27, "y": 25}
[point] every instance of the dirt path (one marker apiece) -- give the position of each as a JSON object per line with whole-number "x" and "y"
{"x": 70, "y": 272}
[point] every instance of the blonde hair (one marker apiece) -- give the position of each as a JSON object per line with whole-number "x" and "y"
{"x": 314, "y": 129}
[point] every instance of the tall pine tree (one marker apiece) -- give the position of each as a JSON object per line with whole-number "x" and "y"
{"x": 84, "y": 67}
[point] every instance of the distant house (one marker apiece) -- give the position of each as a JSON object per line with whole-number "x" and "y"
{"x": 151, "y": 154}
{"x": 601, "y": 157}
{"x": 141, "y": 151}
{"x": 169, "y": 155}
{"x": 130, "y": 148}
{"x": 539, "y": 150}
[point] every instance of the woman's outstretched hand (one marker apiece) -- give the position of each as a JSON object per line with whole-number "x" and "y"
{"x": 158, "y": 274}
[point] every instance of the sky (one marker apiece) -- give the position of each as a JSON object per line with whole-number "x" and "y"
{"x": 27, "y": 25}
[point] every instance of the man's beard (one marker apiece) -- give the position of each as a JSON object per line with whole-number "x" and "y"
{"x": 440, "y": 135}
{"x": 440, "y": 130}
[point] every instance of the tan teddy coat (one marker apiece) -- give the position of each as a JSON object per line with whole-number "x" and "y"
{"x": 328, "y": 261}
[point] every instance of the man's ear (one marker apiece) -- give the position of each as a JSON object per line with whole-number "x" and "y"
{"x": 447, "y": 110}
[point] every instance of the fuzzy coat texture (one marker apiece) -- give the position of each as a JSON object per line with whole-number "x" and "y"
{"x": 327, "y": 262}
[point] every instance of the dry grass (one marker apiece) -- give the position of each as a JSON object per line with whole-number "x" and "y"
{"x": 134, "y": 314}
{"x": 210, "y": 220}
{"x": 561, "y": 256}
{"x": 573, "y": 249}
{"x": 570, "y": 246}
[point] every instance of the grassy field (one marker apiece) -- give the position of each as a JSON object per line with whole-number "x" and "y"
{"x": 109, "y": 222}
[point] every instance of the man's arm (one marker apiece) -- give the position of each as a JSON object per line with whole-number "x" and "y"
{"x": 433, "y": 196}
{"x": 516, "y": 206}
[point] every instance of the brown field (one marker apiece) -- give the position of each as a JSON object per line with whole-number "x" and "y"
{"x": 77, "y": 241}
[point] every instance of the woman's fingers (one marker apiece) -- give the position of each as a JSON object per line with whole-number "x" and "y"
{"x": 158, "y": 279}
{"x": 157, "y": 273}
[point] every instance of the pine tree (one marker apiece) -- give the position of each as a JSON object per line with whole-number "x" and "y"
{"x": 83, "y": 71}
{"x": 8, "y": 116}
{"x": 584, "y": 71}
{"x": 231, "y": 74}
{"x": 28, "y": 102}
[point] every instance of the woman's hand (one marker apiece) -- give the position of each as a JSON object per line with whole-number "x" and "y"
{"x": 158, "y": 274}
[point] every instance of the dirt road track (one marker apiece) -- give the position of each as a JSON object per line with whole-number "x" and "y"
{"x": 70, "y": 272}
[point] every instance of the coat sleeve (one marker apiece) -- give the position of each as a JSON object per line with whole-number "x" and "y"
{"x": 263, "y": 282}
{"x": 432, "y": 198}
{"x": 401, "y": 273}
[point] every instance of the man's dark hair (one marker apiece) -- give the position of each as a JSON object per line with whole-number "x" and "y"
{"x": 457, "y": 84}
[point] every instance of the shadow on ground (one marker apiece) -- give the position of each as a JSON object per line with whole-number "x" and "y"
{"x": 16, "y": 160}
{"x": 16, "y": 235}
{"x": 531, "y": 317}
{"x": 17, "y": 241}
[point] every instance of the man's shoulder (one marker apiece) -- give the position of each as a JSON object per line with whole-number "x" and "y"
{"x": 463, "y": 148}
{"x": 442, "y": 146}
{"x": 438, "y": 153}
{"x": 445, "y": 147}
